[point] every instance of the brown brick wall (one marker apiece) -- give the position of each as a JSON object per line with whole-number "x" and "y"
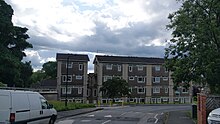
{"x": 201, "y": 109}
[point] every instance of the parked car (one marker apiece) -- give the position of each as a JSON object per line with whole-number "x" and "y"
{"x": 214, "y": 116}
{"x": 25, "y": 107}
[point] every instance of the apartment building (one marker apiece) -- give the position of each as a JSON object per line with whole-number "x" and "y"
{"x": 148, "y": 79}
{"x": 72, "y": 73}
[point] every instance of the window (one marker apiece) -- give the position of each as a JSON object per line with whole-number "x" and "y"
{"x": 80, "y": 90}
{"x": 78, "y": 77}
{"x": 43, "y": 103}
{"x": 70, "y": 65}
{"x": 119, "y": 67}
{"x": 141, "y": 90}
{"x": 130, "y": 90}
{"x": 140, "y": 79}
{"x": 140, "y": 67}
{"x": 109, "y": 67}
{"x": 156, "y": 80}
{"x": 95, "y": 92}
{"x": 131, "y": 78}
{"x": 165, "y": 99}
{"x": 184, "y": 90}
{"x": 80, "y": 66}
{"x": 156, "y": 90}
{"x": 166, "y": 90}
{"x": 157, "y": 68}
{"x": 130, "y": 68}
{"x": 64, "y": 90}
{"x": 165, "y": 78}
{"x": 67, "y": 78}
{"x": 107, "y": 78}
{"x": 166, "y": 70}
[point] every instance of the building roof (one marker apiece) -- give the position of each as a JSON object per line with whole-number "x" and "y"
{"x": 128, "y": 59}
{"x": 72, "y": 57}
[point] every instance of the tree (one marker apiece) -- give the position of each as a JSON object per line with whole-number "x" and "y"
{"x": 38, "y": 76}
{"x": 12, "y": 45}
{"x": 115, "y": 87}
{"x": 26, "y": 73}
{"x": 50, "y": 69}
{"x": 194, "y": 50}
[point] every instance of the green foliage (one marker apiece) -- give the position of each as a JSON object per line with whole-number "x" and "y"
{"x": 38, "y": 76}
{"x": 26, "y": 73}
{"x": 50, "y": 69}
{"x": 12, "y": 45}
{"x": 194, "y": 50}
{"x": 115, "y": 87}
{"x": 60, "y": 106}
{"x": 2, "y": 85}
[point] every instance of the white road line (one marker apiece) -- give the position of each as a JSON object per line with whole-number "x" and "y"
{"x": 123, "y": 113}
{"x": 156, "y": 118}
{"x": 106, "y": 121}
{"x": 108, "y": 116}
{"x": 90, "y": 115}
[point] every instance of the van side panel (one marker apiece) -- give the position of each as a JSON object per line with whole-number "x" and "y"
{"x": 35, "y": 108}
{"x": 20, "y": 106}
{"x": 4, "y": 106}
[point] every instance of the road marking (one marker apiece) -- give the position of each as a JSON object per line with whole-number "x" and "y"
{"x": 85, "y": 120}
{"x": 108, "y": 116}
{"x": 123, "y": 113}
{"x": 156, "y": 118}
{"x": 91, "y": 115}
{"x": 106, "y": 121}
{"x": 65, "y": 122}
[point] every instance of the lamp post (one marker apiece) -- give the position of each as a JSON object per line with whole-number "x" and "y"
{"x": 67, "y": 71}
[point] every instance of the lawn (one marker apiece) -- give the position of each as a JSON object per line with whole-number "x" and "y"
{"x": 60, "y": 105}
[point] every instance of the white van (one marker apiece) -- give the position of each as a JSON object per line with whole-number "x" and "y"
{"x": 25, "y": 107}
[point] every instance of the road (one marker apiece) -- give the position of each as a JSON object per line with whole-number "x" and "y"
{"x": 154, "y": 114}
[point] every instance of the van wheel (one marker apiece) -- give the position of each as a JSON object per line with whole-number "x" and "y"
{"x": 52, "y": 120}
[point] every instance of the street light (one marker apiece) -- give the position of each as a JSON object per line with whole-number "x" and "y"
{"x": 67, "y": 68}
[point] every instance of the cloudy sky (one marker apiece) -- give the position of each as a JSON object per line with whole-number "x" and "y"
{"x": 112, "y": 27}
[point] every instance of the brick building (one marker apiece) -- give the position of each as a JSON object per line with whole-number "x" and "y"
{"x": 148, "y": 80}
{"x": 72, "y": 70}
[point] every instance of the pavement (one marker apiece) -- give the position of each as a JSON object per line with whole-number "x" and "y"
{"x": 179, "y": 117}
{"x": 173, "y": 117}
{"x": 65, "y": 114}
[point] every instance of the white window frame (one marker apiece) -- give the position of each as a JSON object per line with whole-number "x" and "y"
{"x": 156, "y": 89}
{"x": 108, "y": 66}
{"x": 70, "y": 65}
{"x": 80, "y": 67}
{"x": 165, "y": 78}
{"x": 165, "y": 99}
{"x": 79, "y": 90}
{"x": 130, "y": 68}
{"x": 64, "y": 90}
{"x": 131, "y": 78}
{"x": 166, "y": 89}
{"x": 107, "y": 78}
{"x": 157, "y": 68}
{"x": 156, "y": 80}
{"x": 143, "y": 79}
{"x": 64, "y": 78}
{"x": 142, "y": 89}
{"x": 140, "y": 67}
{"x": 78, "y": 77}
{"x": 119, "y": 67}
{"x": 184, "y": 91}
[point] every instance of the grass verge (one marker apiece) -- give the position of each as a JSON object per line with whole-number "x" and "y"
{"x": 60, "y": 105}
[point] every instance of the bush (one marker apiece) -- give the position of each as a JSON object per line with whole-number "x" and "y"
{"x": 60, "y": 105}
